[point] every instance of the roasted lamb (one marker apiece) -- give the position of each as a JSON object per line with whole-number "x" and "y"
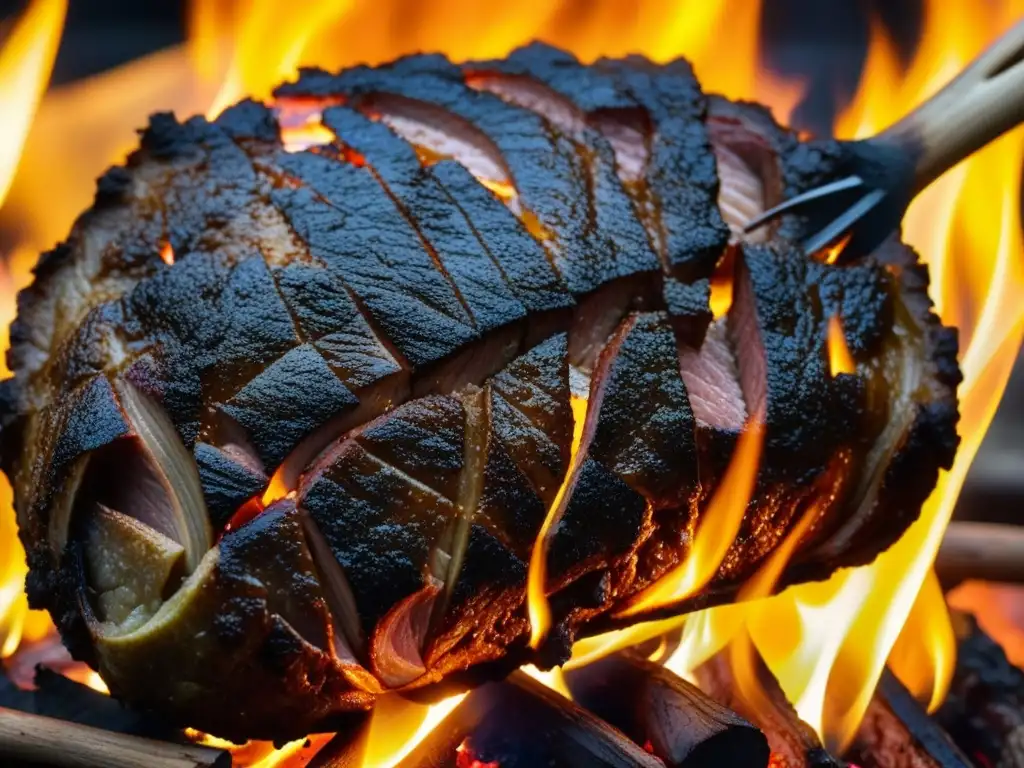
{"x": 287, "y": 421}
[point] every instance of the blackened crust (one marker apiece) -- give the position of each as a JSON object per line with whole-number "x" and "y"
{"x": 368, "y": 311}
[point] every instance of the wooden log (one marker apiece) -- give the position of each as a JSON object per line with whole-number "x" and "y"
{"x": 898, "y": 733}
{"x": 984, "y": 710}
{"x": 987, "y": 551}
{"x": 515, "y": 723}
{"x": 672, "y": 718}
{"x": 793, "y": 743}
{"x": 48, "y": 741}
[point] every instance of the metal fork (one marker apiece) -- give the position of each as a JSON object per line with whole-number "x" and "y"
{"x": 888, "y": 171}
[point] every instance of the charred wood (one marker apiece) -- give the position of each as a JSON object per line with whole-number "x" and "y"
{"x": 515, "y": 723}
{"x": 898, "y": 733}
{"x": 793, "y": 743}
{"x": 48, "y": 741}
{"x": 984, "y": 710}
{"x": 987, "y": 551}
{"x": 669, "y": 716}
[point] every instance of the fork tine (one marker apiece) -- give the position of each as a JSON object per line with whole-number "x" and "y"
{"x": 843, "y": 222}
{"x": 833, "y": 188}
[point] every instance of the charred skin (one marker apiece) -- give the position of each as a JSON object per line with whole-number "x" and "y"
{"x": 393, "y": 326}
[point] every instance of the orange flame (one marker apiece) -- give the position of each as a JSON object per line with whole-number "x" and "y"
{"x": 839, "y": 357}
{"x": 536, "y": 579}
{"x": 717, "y": 528}
{"x": 167, "y": 253}
{"x": 25, "y": 63}
{"x": 397, "y": 725}
{"x": 826, "y": 642}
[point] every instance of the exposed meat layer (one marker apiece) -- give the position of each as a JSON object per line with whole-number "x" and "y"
{"x": 377, "y": 366}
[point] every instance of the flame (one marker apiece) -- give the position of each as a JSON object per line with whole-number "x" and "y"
{"x": 826, "y": 642}
{"x": 167, "y": 253}
{"x": 999, "y": 609}
{"x": 277, "y": 488}
{"x": 707, "y": 632}
{"x": 717, "y": 528}
{"x": 927, "y": 630}
{"x": 839, "y": 357}
{"x": 25, "y": 63}
{"x": 397, "y": 725}
{"x": 536, "y": 579}
{"x": 26, "y": 60}
{"x": 553, "y": 679}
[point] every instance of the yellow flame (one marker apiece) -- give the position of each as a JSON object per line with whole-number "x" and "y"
{"x": 590, "y": 649}
{"x": 708, "y": 632}
{"x": 266, "y": 45}
{"x": 716, "y": 530}
{"x": 553, "y": 679}
{"x": 839, "y": 357}
{"x": 25, "y": 64}
{"x": 536, "y": 580}
{"x": 829, "y": 638}
{"x": 927, "y": 634}
{"x": 277, "y": 488}
{"x": 828, "y": 643}
{"x": 397, "y": 725}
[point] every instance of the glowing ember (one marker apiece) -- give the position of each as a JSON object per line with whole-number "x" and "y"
{"x": 839, "y": 357}
{"x": 464, "y": 757}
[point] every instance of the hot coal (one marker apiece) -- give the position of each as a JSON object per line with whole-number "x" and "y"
{"x": 898, "y": 733}
{"x": 984, "y": 711}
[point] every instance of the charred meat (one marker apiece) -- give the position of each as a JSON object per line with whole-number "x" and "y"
{"x": 288, "y": 419}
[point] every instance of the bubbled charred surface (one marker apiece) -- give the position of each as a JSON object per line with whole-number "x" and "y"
{"x": 384, "y": 356}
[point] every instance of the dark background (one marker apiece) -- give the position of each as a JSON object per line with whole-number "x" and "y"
{"x": 824, "y": 41}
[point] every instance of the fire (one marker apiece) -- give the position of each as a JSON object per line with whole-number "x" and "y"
{"x": 536, "y": 585}
{"x": 25, "y": 64}
{"x": 966, "y": 225}
{"x": 167, "y": 253}
{"x": 839, "y": 357}
{"x": 718, "y": 527}
{"x": 398, "y": 725}
{"x": 26, "y": 60}
{"x": 553, "y": 679}
{"x": 826, "y": 642}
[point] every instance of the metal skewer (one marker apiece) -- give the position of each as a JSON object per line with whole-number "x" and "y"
{"x": 890, "y": 169}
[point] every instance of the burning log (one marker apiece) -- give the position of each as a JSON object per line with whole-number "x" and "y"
{"x": 984, "y": 710}
{"x": 898, "y": 733}
{"x": 669, "y": 716}
{"x": 515, "y": 723}
{"x": 793, "y": 743}
{"x": 986, "y": 551}
{"x": 49, "y": 741}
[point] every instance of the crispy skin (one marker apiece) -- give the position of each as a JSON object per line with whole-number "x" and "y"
{"x": 401, "y": 344}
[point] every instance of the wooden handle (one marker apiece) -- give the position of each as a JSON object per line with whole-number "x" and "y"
{"x": 981, "y": 103}
{"x": 48, "y": 741}
{"x": 987, "y": 551}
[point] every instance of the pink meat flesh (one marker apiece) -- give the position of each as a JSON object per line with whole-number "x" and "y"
{"x": 711, "y": 379}
{"x": 395, "y": 653}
